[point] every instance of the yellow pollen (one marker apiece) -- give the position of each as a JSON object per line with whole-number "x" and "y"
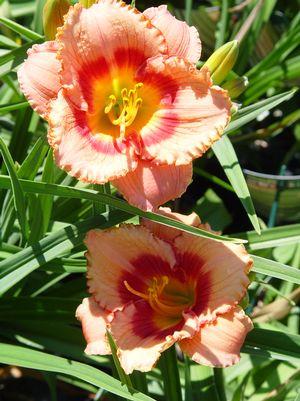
{"x": 124, "y": 111}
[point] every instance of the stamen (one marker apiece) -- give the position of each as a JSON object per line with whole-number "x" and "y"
{"x": 111, "y": 102}
{"x": 129, "y": 106}
{"x": 157, "y": 299}
{"x": 133, "y": 291}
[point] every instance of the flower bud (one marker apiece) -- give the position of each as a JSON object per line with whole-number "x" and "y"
{"x": 53, "y": 13}
{"x": 236, "y": 86}
{"x": 222, "y": 60}
{"x": 87, "y": 3}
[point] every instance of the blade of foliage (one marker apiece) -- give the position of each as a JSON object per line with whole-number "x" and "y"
{"x": 188, "y": 10}
{"x": 211, "y": 208}
{"x": 7, "y": 42}
{"x": 20, "y": 308}
{"x": 273, "y": 344}
{"x": 276, "y": 269}
{"x": 216, "y": 180}
{"x": 227, "y": 157}
{"x": 286, "y": 44}
{"x": 10, "y": 60}
{"x": 34, "y": 160}
{"x": 249, "y": 113}
{"x": 271, "y": 237}
{"x": 262, "y": 11}
{"x": 20, "y": 29}
{"x": 18, "y": 195}
{"x": 28, "y": 170}
{"x": 12, "y": 106}
{"x": 25, "y": 124}
{"x": 51, "y": 336}
{"x": 42, "y": 204}
{"x": 68, "y": 192}
{"x": 203, "y": 383}
{"x": 125, "y": 379}
{"x": 273, "y": 77}
{"x": 22, "y": 9}
{"x": 222, "y": 24}
{"x": 18, "y": 266}
{"x": 275, "y": 291}
{"x": 28, "y": 358}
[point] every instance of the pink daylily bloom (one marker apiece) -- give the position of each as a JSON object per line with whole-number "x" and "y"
{"x": 123, "y": 98}
{"x": 153, "y": 286}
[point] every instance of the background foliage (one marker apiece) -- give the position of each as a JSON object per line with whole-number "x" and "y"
{"x": 46, "y": 213}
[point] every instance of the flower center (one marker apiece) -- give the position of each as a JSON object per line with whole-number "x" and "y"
{"x": 123, "y": 110}
{"x": 164, "y": 297}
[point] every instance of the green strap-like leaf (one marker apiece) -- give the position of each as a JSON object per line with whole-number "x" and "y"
{"x": 271, "y": 237}
{"x": 69, "y": 192}
{"x": 19, "y": 199}
{"x": 18, "y": 266}
{"x": 276, "y": 269}
{"x": 28, "y": 358}
{"x": 5, "y": 108}
{"x": 226, "y": 155}
{"x": 273, "y": 344}
{"x": 21, "y": 30}
{"x": 249, "y": 113}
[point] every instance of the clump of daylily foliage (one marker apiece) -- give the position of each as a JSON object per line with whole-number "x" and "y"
{"x": 133, "y": 285}
{"x": 126, "y": 104}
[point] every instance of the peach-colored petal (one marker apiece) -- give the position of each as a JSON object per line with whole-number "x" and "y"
{"x": 192, "y": 113}
{"x": 110, "y": 33}
{"x": 218, "y": 343}
{"x": 141, "y": 349}
{"x": 94, "y": 321}
{"x": 220, "y": 270}
{"x": 182, "y": 40}
{"x": 94, "y": 158}
{"x": 128, "y": 253}
{"x": 168, "y": 233}
{"x": 151, "y": 185}
{"x": 38, "y": 76}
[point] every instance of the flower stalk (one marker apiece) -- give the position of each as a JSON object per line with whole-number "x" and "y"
{"x": 170, "y": 375}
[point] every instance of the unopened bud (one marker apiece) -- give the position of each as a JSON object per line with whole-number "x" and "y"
{"x": 87, "y": 3}
{"x": 53, "y": 16}
{"x": 221, "y": 61}
{"x": 236, "y": 86}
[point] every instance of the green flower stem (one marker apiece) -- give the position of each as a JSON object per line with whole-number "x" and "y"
{"x": 170, "y": 375}
{"x": 219, "y": 382}
{"x": 139, "y": 381}
{"x": 187, "y": 376}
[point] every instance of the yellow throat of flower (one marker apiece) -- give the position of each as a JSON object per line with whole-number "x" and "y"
{"x": 160, "y": 301}
{"x": 123, "y": 111}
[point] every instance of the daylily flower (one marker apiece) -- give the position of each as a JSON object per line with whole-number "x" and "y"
{"x": 152, "y": 286}
{"x": 124, "y": 100}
